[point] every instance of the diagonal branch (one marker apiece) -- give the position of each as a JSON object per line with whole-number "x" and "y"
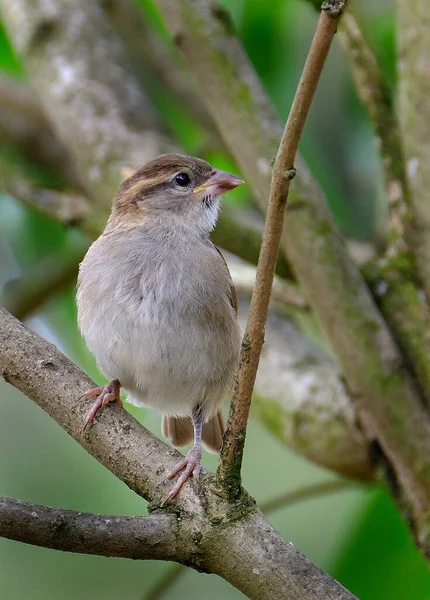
{"x": 210, "y": 534}
{"x": 228, "y": 474}
{"x": 163, "y": 62}
{"x": 148, "y": 538}
{"x": 24, "y": 126}
{"x": 87, "y": 89}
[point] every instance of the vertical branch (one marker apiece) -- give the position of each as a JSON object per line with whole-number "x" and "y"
{"x": 228, "y": 474}
{"x": 414, "y": 116}
{"x": 375, "y": 94}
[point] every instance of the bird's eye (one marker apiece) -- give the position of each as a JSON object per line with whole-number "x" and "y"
{"x": 182, "y": 179}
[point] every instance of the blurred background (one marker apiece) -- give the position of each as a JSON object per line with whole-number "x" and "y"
{"x": 354, "y": 532}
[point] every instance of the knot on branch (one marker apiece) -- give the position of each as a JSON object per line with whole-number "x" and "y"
{"x": 334, "y": 8}
{"x": 290, "y": 173}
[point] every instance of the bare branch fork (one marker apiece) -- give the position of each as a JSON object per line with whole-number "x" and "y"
{"x": 197, "y": 529}
{"x": 228, "y": 474}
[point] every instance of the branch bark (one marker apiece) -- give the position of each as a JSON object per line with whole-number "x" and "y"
{"x": 24, "y": 126}
{"x": 376, "y": 96}
{"x": 390, "y": 406}
{"x": 229, "y": 470}
{"x": 393, "y": 276}
{"x": 163, "y": 62}
{"x": 414, "y": 114}
{"x": 210, "y": 533}
{"x": 87, "y": 89}
{"x": 143, "y": 538}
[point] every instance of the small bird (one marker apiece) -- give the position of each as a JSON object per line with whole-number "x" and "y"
{"x": 157, "y": 307}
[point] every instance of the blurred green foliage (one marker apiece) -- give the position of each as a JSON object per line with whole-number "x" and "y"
{"x": 357, "y": 535}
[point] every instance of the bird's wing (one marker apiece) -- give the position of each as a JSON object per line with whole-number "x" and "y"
{"x": 232, "y": 296}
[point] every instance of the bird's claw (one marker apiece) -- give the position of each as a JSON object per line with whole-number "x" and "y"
{"x": 104, "y": 395}
{"x": 191, "y": 466}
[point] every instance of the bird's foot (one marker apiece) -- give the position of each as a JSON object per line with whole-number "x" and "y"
{"x": 103, "y": 395}
{"x": 190, "y": 465}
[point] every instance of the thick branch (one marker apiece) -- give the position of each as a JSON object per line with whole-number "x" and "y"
{"x": 259, "y": 542}
{"x": 285, "y": 500}
{"x": 206, "y": 536}
{"x": 228, "y": 474}
{"x": 118, "y": 441}
{"x": 149, "y": 538}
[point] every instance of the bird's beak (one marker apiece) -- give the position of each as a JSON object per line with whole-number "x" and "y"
{"x": 219, "y": 183}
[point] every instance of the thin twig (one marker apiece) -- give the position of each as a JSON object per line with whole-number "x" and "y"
{"x": 306, "y": 492}
{"x": 168, "y": 579}
{"x": 228, "y": 474}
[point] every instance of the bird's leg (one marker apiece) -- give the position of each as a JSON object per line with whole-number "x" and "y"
{"x": 103, "y": 395}
{"x": 191, "y": 463}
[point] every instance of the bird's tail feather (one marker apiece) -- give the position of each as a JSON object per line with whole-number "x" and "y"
{"x": 180, "y": 431}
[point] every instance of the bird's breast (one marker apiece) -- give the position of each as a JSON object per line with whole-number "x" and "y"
{"x": 154, "y": 313}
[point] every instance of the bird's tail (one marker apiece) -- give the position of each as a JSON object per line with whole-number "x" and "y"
{"x": 180, "y": 431}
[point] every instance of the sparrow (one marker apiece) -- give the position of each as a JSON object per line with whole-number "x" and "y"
{"x": 157, "y": 306}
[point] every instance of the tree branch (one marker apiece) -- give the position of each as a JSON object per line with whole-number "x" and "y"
{"x": 148, "y": 538}
{"x": 388, "y": 403}
{"x": 210, "y": 533}
{"x": 26, "y": 295}
{"x": 375, "y": 94}
{"x": 24, "y": 126}
{"x": 413, "y": 107}
{"x": 87, "y": 89}
{"x": 307, "y": 492}
{"x": 164, "y": 64}
{"x": 228, "y": 474}
{"x": 66, "y": 207}
{"x": 395, "y": 273}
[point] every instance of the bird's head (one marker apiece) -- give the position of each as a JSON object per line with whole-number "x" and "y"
{"x": 181, "y": 188}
